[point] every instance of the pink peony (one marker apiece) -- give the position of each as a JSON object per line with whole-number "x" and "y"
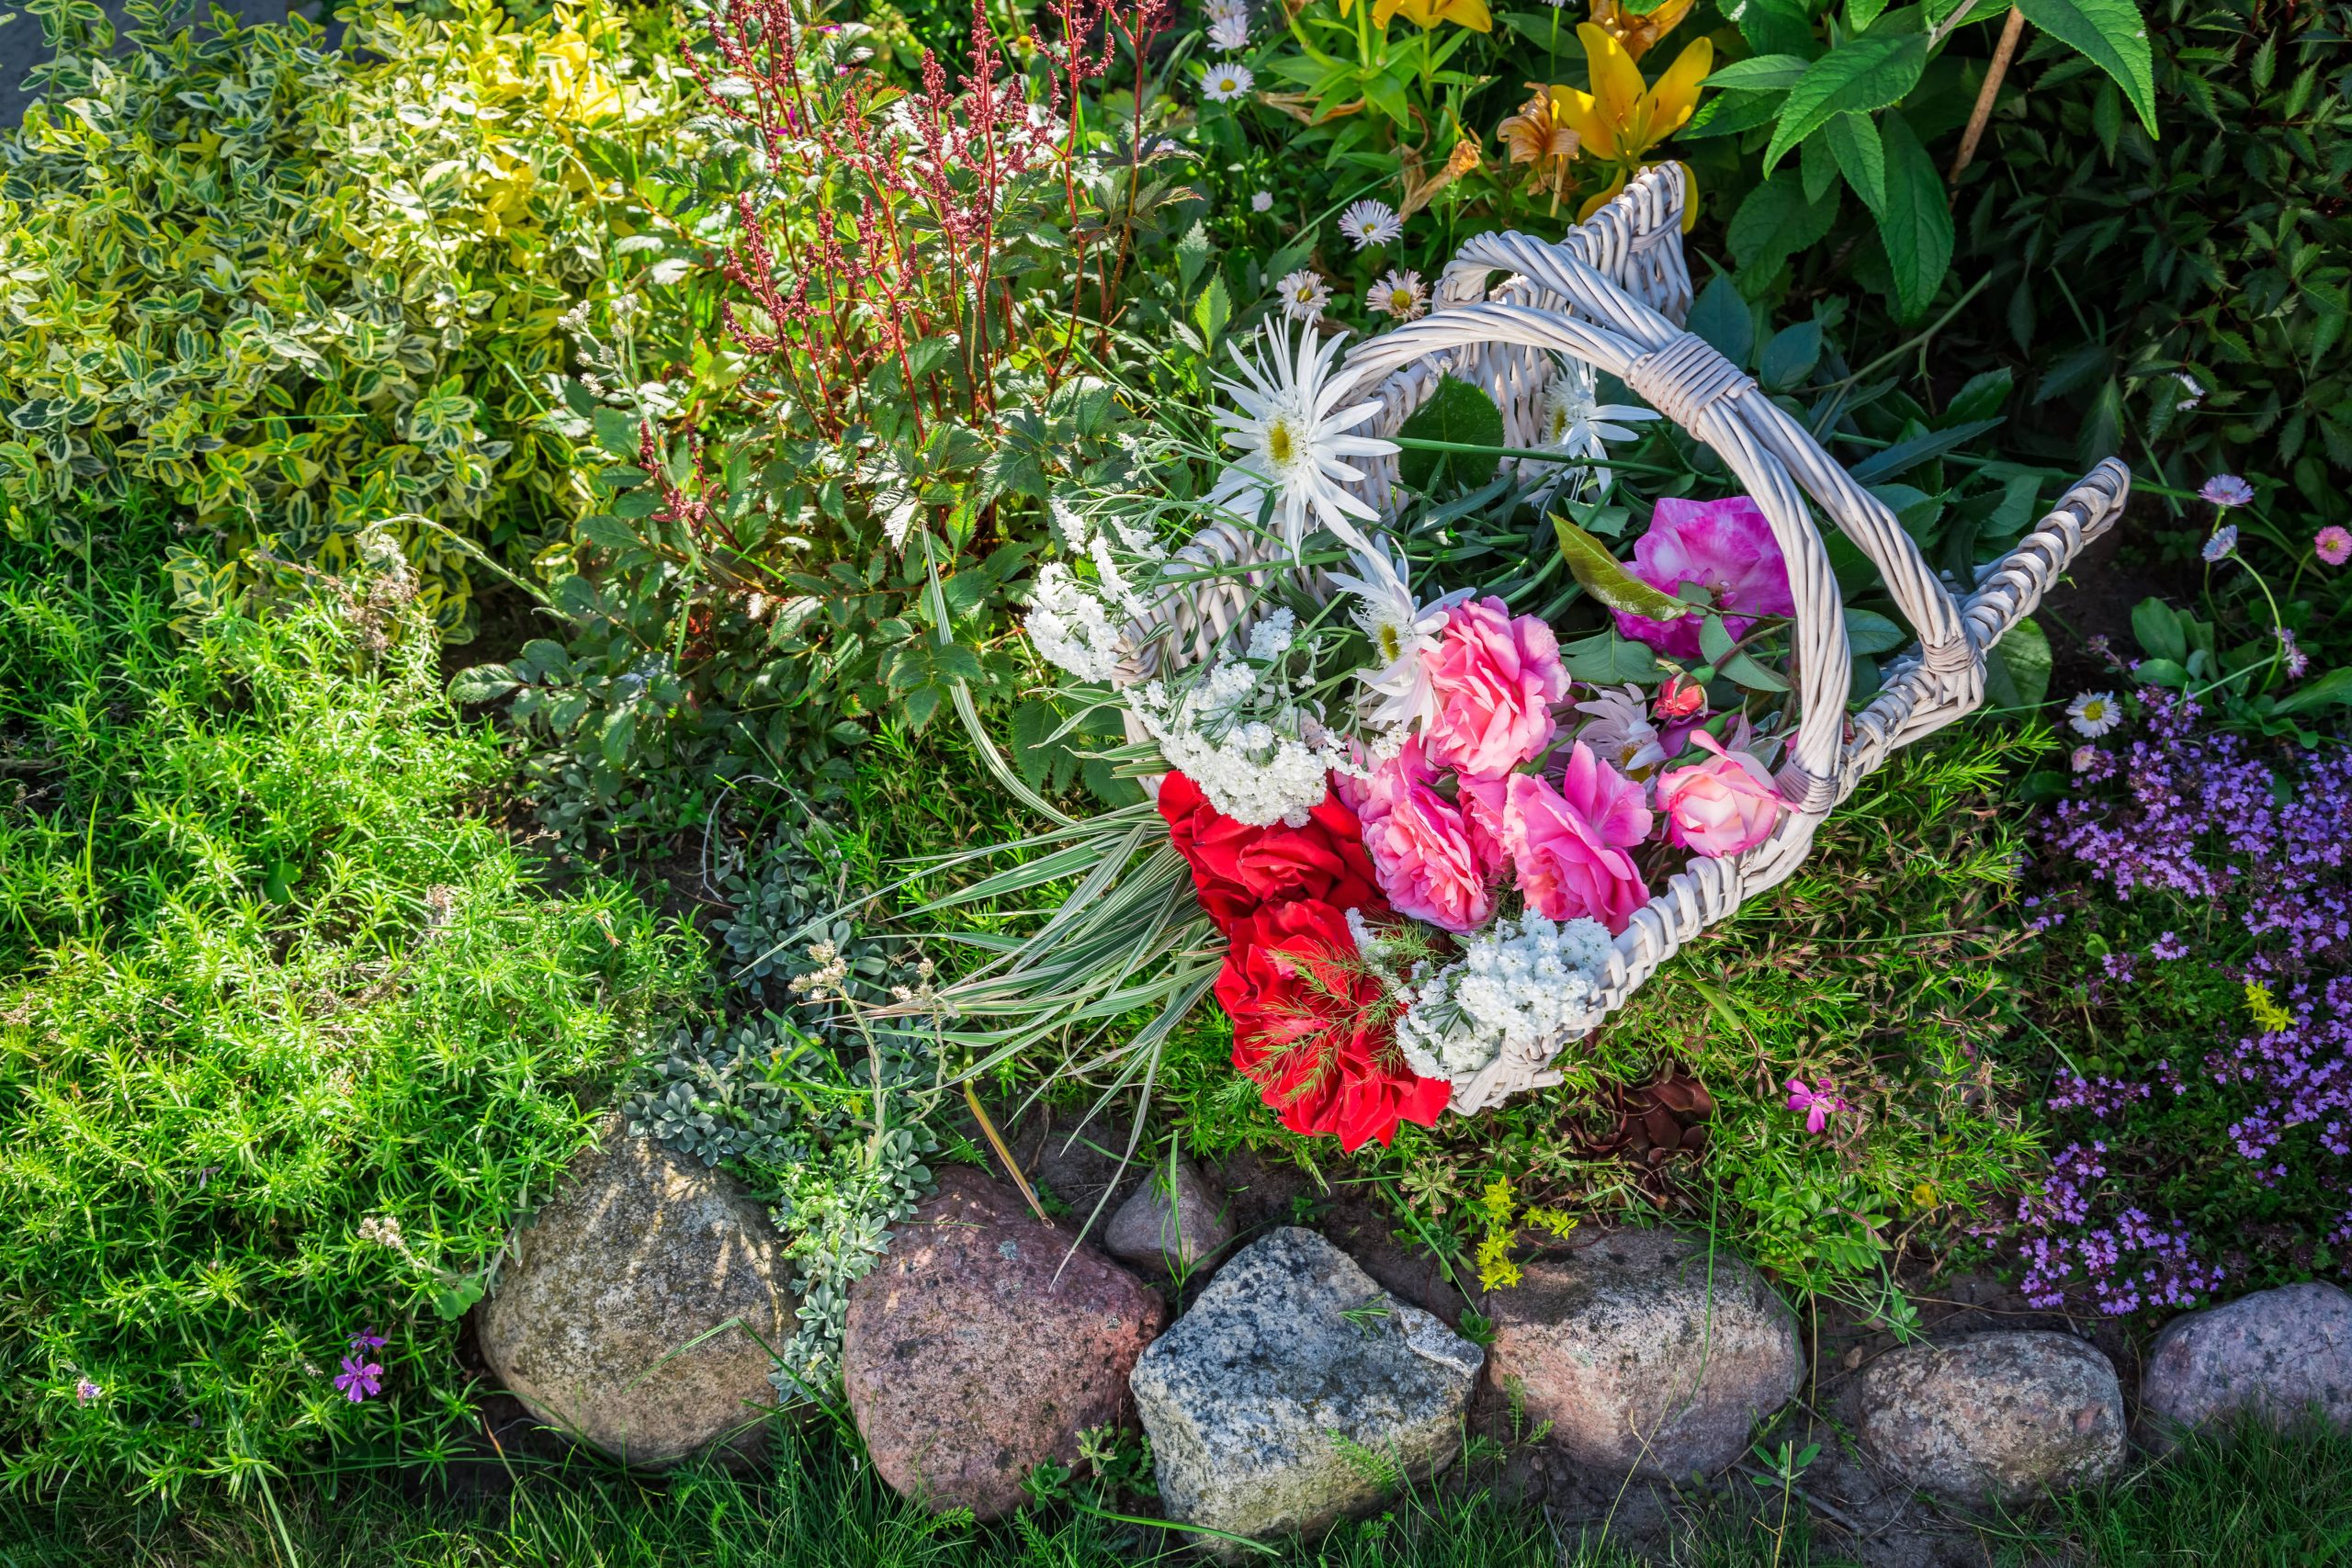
{"x": 1496, "y": 677}
{"x": 1568, "y": 849}
{"x": 1725, "y": 546}
{"x": 1428, "y": 861}
{"x": 1722, "y": 805}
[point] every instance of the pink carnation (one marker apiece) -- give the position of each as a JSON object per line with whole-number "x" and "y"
{"x": 1569, "y": 845}
{"x": 1725, "y": 546}
{"x": 1496, "y": 677}
{"x": 1424, "y": 856}
{"x": 1722, "y": 805}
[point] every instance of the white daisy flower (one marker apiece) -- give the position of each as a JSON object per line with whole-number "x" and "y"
{"x": 1303, "y": 295}
{"x": 2193, "y": 391}
{"x": 1401, "y": 294}
{"x": 1230, "y": 34}
{"x": 1226, "y": 83}
{"x": 1293, "y": 431}
{"x": 1219, "y": 10}
{"x": 1370, "y": 223}
{"x": 1577, "y": 422}
{"x": 1620, "y": 731}
{"x": 1262, "y": 202}
{"x": 2094, "y": 714}
{"x": 1401, "y": 631}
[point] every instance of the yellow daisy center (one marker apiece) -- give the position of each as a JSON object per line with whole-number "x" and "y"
{"x": 1281, "y": 445}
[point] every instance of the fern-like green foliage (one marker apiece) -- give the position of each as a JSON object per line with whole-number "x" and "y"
{"x": 304, "y": 290}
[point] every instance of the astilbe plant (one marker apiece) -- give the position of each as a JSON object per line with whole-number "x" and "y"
{"x": 2209, "y": 880}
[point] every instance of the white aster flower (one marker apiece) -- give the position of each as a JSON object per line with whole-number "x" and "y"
{"x": 1371, "y": 222}
{"x": 1400, "y": 294}
{"x": 1401, "y": 631}
{"x": 1293, "y": 430}
{"x": 1303, "y": 294}
{"x": 1230, "y": 33}
{"x": 1619, "y": 729}
{"x": 1524, "y": 982}
{"x": 1226, "y": 83}
{"x": 2094, "y": 714}
{"x": 1262, "y": 202}
{"x": 1071, "y": 626}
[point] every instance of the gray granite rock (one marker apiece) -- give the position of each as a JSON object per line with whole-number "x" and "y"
{"x": 1173, "y": 1221}
{"x": 1264, "y": 1398}
{"x": 984, "y": 1344}
{"x": 640, "y": 1254}
{"x": 2279, "y": 1354}
{"x": 1645, "y": 1354}
{"x": 2010, "y": 1416}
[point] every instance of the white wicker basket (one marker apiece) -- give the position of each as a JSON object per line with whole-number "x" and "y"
{"x": 1613, "y": 294}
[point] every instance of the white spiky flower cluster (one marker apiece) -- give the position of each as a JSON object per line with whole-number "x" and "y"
{"x": 1259, "y": 758}
{"x": 1520, "y": 981}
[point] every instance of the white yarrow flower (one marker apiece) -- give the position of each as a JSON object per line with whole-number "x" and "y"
{"x": 1371, "y": 222}
{"x": 1226, "y": 83}
{"x": 1524, "y": 982}
{"x": 1400, "y": 294}
{"x": 1619, "y": 729}
{"x": 1230, "y": 34}
{"x": 1401, "y": 632}
{"x": 1303, "y": 294}
{"x": 1257, "y": 760}
{"x": 2094, "y": 714}
{"x": 1071, "y": 627}
{"x": 1293, "y": 430}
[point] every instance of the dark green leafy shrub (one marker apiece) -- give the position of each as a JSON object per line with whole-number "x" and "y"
{"x": 299, "y": 1039}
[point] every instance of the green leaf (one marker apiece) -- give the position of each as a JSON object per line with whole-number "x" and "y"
{"x": 2160, "y": 672}
{"x": 1606, "y": 578}
{"x": 2112, "y": 35}
{"x": 2158, "y": 625}
{"x": 1212, "y": 312}
{"x": 1458, "y": 412}
{"x": 1790, "y": 356}
{"x": 2335, "y": 686}
{"x": 452, "y": 1302}
{"x": 1861, "y": 14}
{"x": 1775, "y": 27}
{"x": 1763, "y": 73}
{"x": 1867, "y": 631}
{"x": 1914, "y": 224}
{"x": 481, "y": 684}
{"x": 1861, "y": 157}
{"x": 1774, "y": 222}
{"x": 1982, "y": 396}
{"x": 2017, "y": 667}
{"x": 1722, "y": 318}
{"x": 616, "y": 433}
{"x": 1910, "y": 454}
{"x": 1607, "y": 659}
{"x": 1857, "y": 76}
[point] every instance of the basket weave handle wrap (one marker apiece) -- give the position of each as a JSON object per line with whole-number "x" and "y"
{"x": 1614, "y": 293}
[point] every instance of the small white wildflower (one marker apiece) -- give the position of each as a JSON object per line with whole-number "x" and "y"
{"x": 2093, "y": 714}
{"x": 1400, "y": 294}
{"x": 1230, "y": 34}
{"x": 1370, "y": 222}
{"x": 1401, "y": 631}
{"x": 1262, "y": 202}
{"x": 1071, "y": 626}
{"x": 2191, "y": 392}
{"x": 1303, "y": 295}
{"x": 1524, "y": 982}
{"x": 1226, "y": 83}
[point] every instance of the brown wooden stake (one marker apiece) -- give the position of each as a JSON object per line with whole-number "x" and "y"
{"x": 2012, "y": 30}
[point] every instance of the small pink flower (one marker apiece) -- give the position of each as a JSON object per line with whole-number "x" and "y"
{"x": 2333, "y": 544}
{"x": 1569, "y": 845}
{"x": 1496, "y": 678}
{"x": 1425, "y": 857}
{"x": 2084, "y": 757}
{"x": 1680, "y": 698}
{"x": 1727, "y": 548}
{"x": 1722, "y": 805}
{"x": 1818, "y": 1104}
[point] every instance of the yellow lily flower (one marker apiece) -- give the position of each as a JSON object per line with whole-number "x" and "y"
{"x": 1623, "y": 117}
{"x": 1427, "y": 13}
{"x": 1637, "y": 33}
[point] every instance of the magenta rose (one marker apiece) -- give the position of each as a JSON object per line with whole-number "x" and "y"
{"x": 1568, "y": 849}
{"x": 1725, "y": 546}
{"x": 1722, "y": 805}
{"x": 1496, "y": 677}
{"x": 1422, "y": 851}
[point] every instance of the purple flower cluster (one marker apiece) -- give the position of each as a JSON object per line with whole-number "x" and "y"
{"x": 2201, "y": 816}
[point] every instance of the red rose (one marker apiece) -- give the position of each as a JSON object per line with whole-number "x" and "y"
{"x": 1309, "y": 1031}
{"x": 1236, "y": 869}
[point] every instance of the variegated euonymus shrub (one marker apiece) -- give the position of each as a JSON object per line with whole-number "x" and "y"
{"x": 303, "y": 289}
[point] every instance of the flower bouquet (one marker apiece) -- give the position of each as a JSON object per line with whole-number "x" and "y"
{"x": 1422, "y": 804}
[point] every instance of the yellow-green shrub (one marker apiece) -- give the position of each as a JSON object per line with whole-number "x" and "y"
{"x": 305, "y": 288}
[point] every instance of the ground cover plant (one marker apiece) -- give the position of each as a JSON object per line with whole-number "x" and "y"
{"x": 290, "y": 1031}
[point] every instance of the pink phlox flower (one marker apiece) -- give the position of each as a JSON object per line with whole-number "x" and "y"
{"x": 1727, "y": 548}
{"x": 359, "y": 1380}
{"x": 1817, "y": 1103}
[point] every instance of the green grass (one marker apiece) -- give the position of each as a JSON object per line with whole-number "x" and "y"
{"x": 270, "y": 985}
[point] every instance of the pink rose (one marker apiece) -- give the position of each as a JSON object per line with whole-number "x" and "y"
{"x": 1423, "y": 855}
{"x": 1722, "y": 805}
{"x": 1725, "y": 546}
{"x": 1495, "y": 677}
{"x": 1568, "y": 849}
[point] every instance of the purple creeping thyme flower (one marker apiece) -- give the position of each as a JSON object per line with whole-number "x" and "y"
{"x": 85, "y": 1391}
{"x": 359, "y": 1380}
{"x": 2227, "y": 490}
{"x": 2168, "y": 947}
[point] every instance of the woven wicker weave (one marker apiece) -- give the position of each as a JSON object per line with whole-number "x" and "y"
{"x": 1613, "y": 294}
